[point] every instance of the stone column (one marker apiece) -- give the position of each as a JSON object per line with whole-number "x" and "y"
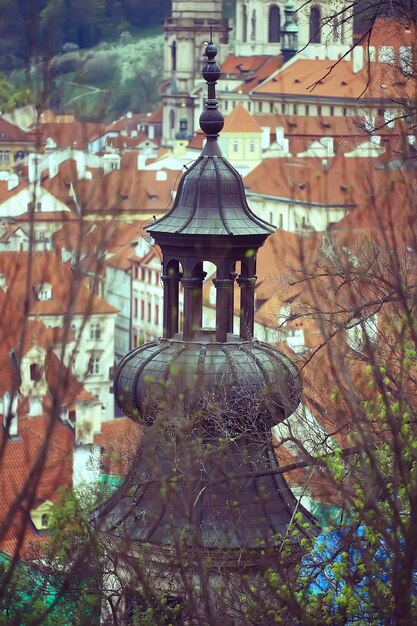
{"x": 223, "y": 287}
{"x": 192, "y": 286}
{"x": 247, "y": 307}
{"x": 231, "y": 303}
{"x": 171, "y": 305}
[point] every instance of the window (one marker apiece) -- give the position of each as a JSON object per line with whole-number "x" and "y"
{"x": 44, "y": 520}
{"x": 274, "y": 24}
{"x": 136, "y": 271}
{"x": 319, "y": 110}
{"x": 283, "y": 108}
{"x": 174, "y": 56}
{"x": 172, "y": 119}
{"x": 315, "y": 19}
{"x": 5, "y": 157}
{"x": 136, "y": 307}
{"x": 244, "y": 24}
{"x": 235, "y": 145}
{"x": 142, "y": 274}
{"x": 35, "y": 372}
{"x": 95, "y": 331}
{"x": 252, "y": 145}
{"x": 156, "y": 314}
{"x": 142, "y": 309}
{"x": 149, "y": 312}
{"x": 94, "y": 365}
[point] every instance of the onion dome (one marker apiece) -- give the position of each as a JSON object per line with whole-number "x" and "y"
{"x": 253, "y": 376}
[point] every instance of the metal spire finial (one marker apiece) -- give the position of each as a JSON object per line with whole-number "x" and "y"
{"x": 211, "y": 120}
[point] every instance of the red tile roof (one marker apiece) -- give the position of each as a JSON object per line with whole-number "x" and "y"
{"x": 71, "y": 134}
{"x": 241, "y": 121}
{"x": 11, "y": 133}
{"x": 68, "y": 291}
{"x": 312, "y": 77}
{"x": 386, "y": 32}
{"x": 22, "y": 491}
{"x": 338, "y": 182}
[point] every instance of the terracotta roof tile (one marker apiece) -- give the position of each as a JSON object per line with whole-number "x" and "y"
{"x": 11, "y": 132}
{"x": 20, "y": 456}
{"x": 68, "y": 292}
{"x": 311, "y": 77}
{"x": 241, "y": 121}
{"x": 71, "y": 134}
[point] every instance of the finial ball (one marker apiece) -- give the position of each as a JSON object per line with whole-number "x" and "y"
{"x": 210, "y": 51}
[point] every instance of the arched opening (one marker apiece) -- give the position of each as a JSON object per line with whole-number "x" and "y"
{"x": 244, "y": 23}
{"x": 173, "y": 299}
{"x": 335, "y": 29}
{"x": 174, "y": 56}
{"x": 315, "y": 20}
{"x": 274, "y": 24}
{"x": 253, "y": 26}
{"x": 172, "y": 119}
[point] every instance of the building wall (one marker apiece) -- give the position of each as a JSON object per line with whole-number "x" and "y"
{"x": 89, "y": 342}
{"x": 294, "y": 217}
{"x": 118, "y": 292}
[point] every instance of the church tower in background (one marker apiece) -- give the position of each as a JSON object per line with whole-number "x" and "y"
{"x": 258, "y": 24}
{"x": 186, "y": 34}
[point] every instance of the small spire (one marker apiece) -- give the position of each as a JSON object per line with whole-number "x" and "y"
{"x": 289, "y": 33}
{"x": 211, "y": 120}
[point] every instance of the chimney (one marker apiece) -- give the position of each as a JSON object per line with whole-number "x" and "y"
{"x": 357, "y": 59}
{"x": 141, "y": 161}
{"x": 12, "y": 182}
{"x": 266, "y": 137}
{"x": 279, "y": 133}
{"x": 35, "y": 406}
{"x": 161, "y": 175}
{"x": 34, "y": 167}
{"x": 53, "y": 165}
{"x": 79, "y": 157}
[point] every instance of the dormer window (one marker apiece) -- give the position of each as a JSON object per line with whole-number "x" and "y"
{"x": 44, "y": 291}
{"x": 45, "y": 520}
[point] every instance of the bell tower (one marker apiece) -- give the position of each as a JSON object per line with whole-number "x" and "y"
{"x": 205, "y": 480}
{"x": 186, "y": 33}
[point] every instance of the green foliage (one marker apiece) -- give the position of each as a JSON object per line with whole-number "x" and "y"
{"x": 12, "y": 97}
{"x": 42, "y": 27}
